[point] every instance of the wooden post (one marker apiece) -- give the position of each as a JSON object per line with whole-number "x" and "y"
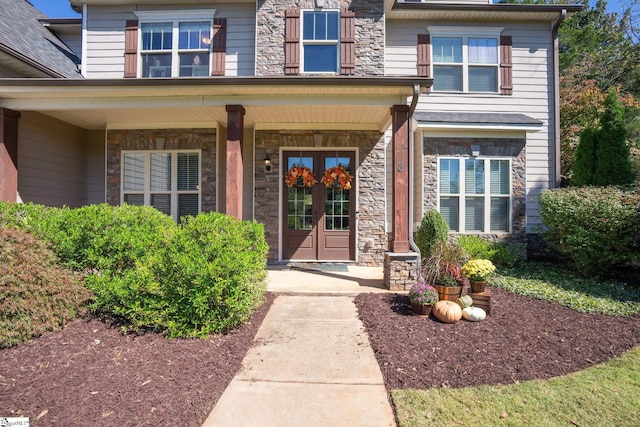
{"x": 400, "y": 188}
{"x": 8, "y": 155}
{"x": 235, "y": 125}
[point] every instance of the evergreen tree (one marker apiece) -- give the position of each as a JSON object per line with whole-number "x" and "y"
{"x": 585, "y": 164}
{"x": 612, "y": 153}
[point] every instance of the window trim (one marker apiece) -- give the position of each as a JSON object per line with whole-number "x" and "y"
{"x": 175, "y": 17}
{"x": 465, "y": 33}
{"x": 174, "y": 192}
{"x": 337, "y": 42}
{"x": 462, "y": 195}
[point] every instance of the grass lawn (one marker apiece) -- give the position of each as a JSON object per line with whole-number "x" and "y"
{"x": 604, "y": 395}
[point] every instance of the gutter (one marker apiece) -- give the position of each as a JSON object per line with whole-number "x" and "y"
{"x": 556, "y": 97}
{"x": 412, "y": 243}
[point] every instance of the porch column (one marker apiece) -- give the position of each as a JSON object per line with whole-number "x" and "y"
{"x": 400, "y": 143}
{"x": 235, "y": 124}
{"x": 8, "y": 155}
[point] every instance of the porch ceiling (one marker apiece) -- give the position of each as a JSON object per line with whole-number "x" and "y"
{"x": 291, "y": 102}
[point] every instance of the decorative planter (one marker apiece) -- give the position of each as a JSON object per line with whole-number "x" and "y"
{"x": 477, "y": 287}
{"x": 449, "y": 293}
{"x": 420, "y": 310}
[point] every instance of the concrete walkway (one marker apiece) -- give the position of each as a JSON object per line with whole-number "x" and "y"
{"x": 310, "y": 365}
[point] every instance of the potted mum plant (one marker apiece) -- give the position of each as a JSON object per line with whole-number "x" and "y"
{"x": 477, "y": 271}
{"x": 422, "y": 296}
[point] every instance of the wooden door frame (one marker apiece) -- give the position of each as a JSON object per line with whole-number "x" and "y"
{"x": 355, "y": 189}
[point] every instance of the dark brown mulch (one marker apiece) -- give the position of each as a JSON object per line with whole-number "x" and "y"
{"x": 523, "y": 339}
{"x": 90, "y": 374}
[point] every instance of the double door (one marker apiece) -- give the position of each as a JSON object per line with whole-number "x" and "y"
{"x": 318, "y": 220}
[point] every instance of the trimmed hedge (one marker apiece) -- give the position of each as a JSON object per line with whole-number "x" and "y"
{"x": 433, "y": 229}
{"x": 203, "y": 276}
{"x": 598, "y": 228}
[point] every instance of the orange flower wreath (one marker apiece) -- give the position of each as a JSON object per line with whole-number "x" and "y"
{"x": 300, "y": 172}
{"x": 338, "y": 173}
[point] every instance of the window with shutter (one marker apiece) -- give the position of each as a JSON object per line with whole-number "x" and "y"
{"x": 347, "y": 42}
{"x": 167, "y": 180}
{"x": 292, "y": 41}
{"x": 466, "y": 59}
{"x": 131, "y": 49}
{"x": 474, "y": 194}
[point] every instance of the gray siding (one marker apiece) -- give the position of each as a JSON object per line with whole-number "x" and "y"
{"x": 73, "y": 42}
{"x": 51, "y": 161}
{"x": 532, "y": 93}
{"x": 105, "y": 37}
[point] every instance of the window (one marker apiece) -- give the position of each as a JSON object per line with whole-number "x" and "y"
{"x": 174, "y": 46}
{"x": 320, "y": 41}
{"x": 464, "y": 59}
{"x": 475, "y": 194}
{"x": 166, "y": 180}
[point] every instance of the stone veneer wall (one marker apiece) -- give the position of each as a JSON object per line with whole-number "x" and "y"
{"x": 400, "y": 270}
{"x": 369, "y": 47}
{"x": 514, "y": 148}
{"x": 175, "y": 139}
{"x": 370, "y": 177}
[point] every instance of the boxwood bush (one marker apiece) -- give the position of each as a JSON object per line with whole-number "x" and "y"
{"x": 598, "y": 228}
{"x": 433, "y": 229}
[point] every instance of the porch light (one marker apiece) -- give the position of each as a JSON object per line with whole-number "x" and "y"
{"x": 475, "y": 150}
{"x": 267, "y": 163}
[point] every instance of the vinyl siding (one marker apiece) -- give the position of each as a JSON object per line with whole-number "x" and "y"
{"x": 105, "y": 38}
{"x": 532, "y": 93}
{"x": 95, "y": 167}
{"x": 73, "y": 42}
{"x": 51, "y": 161}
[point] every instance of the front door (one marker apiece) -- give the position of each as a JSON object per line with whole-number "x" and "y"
{"x": 318, "y": 220}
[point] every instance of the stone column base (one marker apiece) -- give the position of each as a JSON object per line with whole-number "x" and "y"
{"x": 400, "y": 270}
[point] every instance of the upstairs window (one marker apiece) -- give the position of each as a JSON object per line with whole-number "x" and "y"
{"x": 465, "y": 64}
{"x": 320, "y": 41}
{"x": 175, "y": 48}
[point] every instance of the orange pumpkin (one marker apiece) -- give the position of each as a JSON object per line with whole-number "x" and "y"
{"x": 447, "y": 311}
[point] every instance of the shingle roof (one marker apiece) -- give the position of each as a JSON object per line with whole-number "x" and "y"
{"x": 22, "y": 35}
{"x": 446, "y": 117}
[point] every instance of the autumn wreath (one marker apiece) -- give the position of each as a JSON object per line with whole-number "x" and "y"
{"x": 300, "y": 176}
{"x": 339, "y": 174}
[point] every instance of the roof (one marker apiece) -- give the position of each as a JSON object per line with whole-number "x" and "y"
{"x": 25, "y": 39}
{"x": 493, "y": 121}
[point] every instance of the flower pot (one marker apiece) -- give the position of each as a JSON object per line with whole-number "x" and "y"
{"x": 478, "y": 286}
{"x": 450, "y": 293}
{"x": 420, "y": 310}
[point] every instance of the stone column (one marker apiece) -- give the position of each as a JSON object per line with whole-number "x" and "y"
{"x": 233, "y": 182}
{"x": 8, "y": 155}
{"x": 400, "y": 141}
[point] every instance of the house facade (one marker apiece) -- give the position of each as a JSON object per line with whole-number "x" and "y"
{"x": 194, "y": 106}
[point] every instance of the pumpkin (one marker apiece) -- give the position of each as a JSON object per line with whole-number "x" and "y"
{"x": 474, "y": 314}
{"x": 465, "y": 301}
{"x": 447, "y": 311}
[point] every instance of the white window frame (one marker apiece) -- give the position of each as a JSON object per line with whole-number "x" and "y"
{"x": 175, "y": 17}
{"x": 147, "y": 192}
{"x": 465, "y": 33}
{"x": 304, "y": 42}
{"x": 462, "y": 195}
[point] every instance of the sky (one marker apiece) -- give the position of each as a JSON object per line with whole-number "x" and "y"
{"x": 61, "y": 8}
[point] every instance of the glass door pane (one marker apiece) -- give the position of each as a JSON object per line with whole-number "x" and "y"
{"x": 337, "y": 200}
{"x": 300, "y": 196}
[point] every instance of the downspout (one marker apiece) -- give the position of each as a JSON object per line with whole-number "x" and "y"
{"x": 556, "y": 96}
{"x": 412, "y": 243}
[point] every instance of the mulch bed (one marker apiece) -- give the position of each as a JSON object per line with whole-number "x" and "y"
{"x": 522, "y": 339}
{"x": 90, "y": 374}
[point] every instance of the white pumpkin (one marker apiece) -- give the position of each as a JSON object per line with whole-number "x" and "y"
{"x": 474, "y": 314}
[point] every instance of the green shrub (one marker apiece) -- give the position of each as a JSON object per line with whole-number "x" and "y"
{"x": 502, "y": 254}
{"x": 36, "y": 294}
{"x": 596, "y": 227}
{"x": 584, "y": 166}
{"x": 213, "y": 274}
{"x": 433, "y": 229}
{"x": 29, "y": 216}
{"x": 104, "y": 237}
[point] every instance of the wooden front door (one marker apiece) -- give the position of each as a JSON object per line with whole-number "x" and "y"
{"x": 318, "y": 220}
